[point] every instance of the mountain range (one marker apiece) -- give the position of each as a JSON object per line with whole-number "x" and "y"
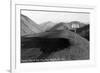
{"x": 29, "y": 26}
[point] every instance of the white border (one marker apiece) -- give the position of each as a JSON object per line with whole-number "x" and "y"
{"x": 16, "y": 66}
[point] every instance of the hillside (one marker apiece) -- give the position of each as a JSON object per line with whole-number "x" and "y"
{"x": 66, "y": 25}
{"x": 47, "y": 25}
{"x": 28, "y": 26}
{"x": 60, "y": 26}
{"x": 79, "y": 50}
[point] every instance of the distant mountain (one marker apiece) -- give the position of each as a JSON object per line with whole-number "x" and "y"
{"x": 64, "y": 25}
{"x": 47, "y": 25}
{"x": 60, "y": 26}
{"x": 28, "y": 26}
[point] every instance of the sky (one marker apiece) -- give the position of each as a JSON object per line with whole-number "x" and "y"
{"x": 41, "y": 16}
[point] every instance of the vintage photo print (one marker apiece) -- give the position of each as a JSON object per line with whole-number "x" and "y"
{"x": 49, "y": 35}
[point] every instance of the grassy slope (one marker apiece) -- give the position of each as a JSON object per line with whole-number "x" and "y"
{"x": 78, "y": 51}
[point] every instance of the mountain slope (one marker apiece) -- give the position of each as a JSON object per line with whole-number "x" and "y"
{"x": 28, "y": 26}
{"x": 60, "y": 26}
{"x": 47, "y": 25}
{"x": 63, "y": 25}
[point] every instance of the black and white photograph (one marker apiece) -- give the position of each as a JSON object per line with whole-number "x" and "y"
{"x": 51, "y": 35}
